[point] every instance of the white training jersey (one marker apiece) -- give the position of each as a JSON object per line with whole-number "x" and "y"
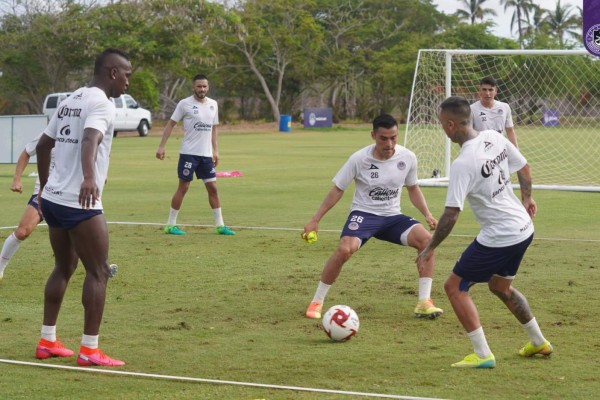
{"x": 481, "y": 174}
{"x": 378, "y": 184}
{"x": 198, "y": 121}
{"x": 497, "y": 118}
{"x": 85, "y": 108}
{"x": 31, "y": 151}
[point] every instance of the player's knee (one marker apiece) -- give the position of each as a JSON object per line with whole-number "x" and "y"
{"x": 22, "y": 233}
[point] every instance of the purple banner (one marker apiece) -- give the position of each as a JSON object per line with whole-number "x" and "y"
{"x": 318, "y": 118}
{"x": 591, "y": 26}
{"x": 550, "y": 118}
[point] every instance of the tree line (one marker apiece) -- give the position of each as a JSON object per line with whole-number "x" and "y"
{"x": 263, "y": 57}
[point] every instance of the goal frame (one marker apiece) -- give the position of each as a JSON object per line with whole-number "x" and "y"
{"x": 442, "y": 179}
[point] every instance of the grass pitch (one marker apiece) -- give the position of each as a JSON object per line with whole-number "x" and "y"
{"x": 231, "y": 308}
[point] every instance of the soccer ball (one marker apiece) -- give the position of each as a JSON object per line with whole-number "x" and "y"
{"x": 340, "y": 323}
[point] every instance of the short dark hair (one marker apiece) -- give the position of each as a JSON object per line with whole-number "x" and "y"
{"x": 200, "y": 77}
{"x": 102, "y": 57}
{"x": 384, "y": 121}
{"x": 488, "y": 80}
{"x": 457, "y": 105}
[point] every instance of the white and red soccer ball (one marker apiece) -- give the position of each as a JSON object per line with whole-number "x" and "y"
{"x": 340, "y": 323}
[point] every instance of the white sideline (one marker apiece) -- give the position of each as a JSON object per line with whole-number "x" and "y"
{"x": 267, "y": 228}
{"x": 216, "y": 381}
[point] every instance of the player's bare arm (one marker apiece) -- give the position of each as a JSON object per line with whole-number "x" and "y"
{"x": 332, "y": 198}
{"x": 442, "y": 231}
{"x": 160, "y": 153}
{"x": 418, "y": 200}
{"x": 524, "y": 175}
{"x": 17, "y": 185}
{"x": 215, "y": 145}
{"x": 89, "y": 191}
{"x": 512, "y": 136}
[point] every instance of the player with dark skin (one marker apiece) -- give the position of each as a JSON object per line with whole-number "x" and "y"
{"x": 88, "y": 240}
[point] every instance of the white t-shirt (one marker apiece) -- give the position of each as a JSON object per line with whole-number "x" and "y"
{"x": 497, "y": 118}
{"x": 481, "y": 174}
{"x": 198, "y": 121}
{"x": 30, "y": 149}
{"x": 378, "y": 183}
{"x": 85, "y": 108}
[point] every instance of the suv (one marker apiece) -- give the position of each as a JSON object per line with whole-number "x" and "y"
{"x": 129, "y": 115}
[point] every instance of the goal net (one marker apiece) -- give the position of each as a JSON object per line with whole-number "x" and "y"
{"x": 555, "y": 100}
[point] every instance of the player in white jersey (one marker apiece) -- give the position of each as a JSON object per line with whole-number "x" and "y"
{"x": 198, "y": 154}
{"x": 81, "y": 133}
{"x": 481, "y": 175}
{"x": 379, "y": 172}
{"x": 488, "y": 113}
{"x": 31, "y": 216}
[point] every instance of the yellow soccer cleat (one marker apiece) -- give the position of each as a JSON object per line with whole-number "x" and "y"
{"x": 529, "y": 350}
{"x": 474, "y": 361}
{"x": 426, "y": 309}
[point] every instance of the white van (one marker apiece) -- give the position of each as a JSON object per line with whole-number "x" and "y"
{"x": 129, "y": 115}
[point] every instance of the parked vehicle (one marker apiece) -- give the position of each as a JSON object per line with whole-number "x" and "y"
{"x": 129, "y": 115}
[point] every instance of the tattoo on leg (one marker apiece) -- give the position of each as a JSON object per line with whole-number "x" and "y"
{"x": 517, "y": 304}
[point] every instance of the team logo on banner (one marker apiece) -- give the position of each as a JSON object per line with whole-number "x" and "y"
{"x": 591, "y": 26}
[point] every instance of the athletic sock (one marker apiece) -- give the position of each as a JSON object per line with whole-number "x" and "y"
{"x": 172, "y": 217}
{"x": 218, "y": 216}
{"x": 49, "y": 333}
{"x": 425, "y": 288}
{"x": 321, "y": 292}
{"x": 535, "y": 333}
{"x": 90, "y": 341}
{"x": 10, "y": 247}
{"x": 480, "y": 345}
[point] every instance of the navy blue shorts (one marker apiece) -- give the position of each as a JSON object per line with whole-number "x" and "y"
{"x": 33, "y": 203}
{"x": 58, "y": 216}
{"x": 203, "y": 167}
{"x": 478, "y": 263}
{"x": 393, "y": 229}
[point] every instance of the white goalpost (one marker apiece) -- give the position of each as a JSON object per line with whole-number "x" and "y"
{"x": 555, "y": 100}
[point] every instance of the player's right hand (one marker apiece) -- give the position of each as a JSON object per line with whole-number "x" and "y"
{"x": 16, "y": 187}
{"x": 160, "y": 153}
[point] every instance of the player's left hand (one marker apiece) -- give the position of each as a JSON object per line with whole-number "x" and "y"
{"x": 215, "y": 158}
{"x": 531, "y": 206}
{"x": 88, "y": 194}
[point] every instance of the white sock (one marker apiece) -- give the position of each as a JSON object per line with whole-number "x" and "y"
{"x": 480, "y": 345}
{"x": 535, "y": 333}
{"x": 173, "y": 217}
{"x": 425, "y": 288}
{"x": 218, "y": 217}
{"x": 10, "y": 247}
{"x": 321, "y": 292}
{"x": 49, "y": 333}
{"x": 90, "y": 341}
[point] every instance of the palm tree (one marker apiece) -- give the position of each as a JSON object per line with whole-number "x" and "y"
{"x": 521, "y": 14}
{"x": 537, "y": 17}
{"x": 563, "y": 21}
{"x": 474, "y": 11}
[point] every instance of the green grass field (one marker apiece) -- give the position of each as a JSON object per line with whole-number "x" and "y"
{"x": 231, "y": 308}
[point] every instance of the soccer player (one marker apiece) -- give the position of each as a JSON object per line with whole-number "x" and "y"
{"x": 379, "y": 171}
{"x": 70, "y": 199}
{"x": 198, "y": 154}
{"x": 481, "y": 174}
{"x": 31, "y": 217}
{"x": 489, "y": 113}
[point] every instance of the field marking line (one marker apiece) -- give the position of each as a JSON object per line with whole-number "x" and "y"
{"x": 267, "y": 228}
{"x": 215, "y": 381}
